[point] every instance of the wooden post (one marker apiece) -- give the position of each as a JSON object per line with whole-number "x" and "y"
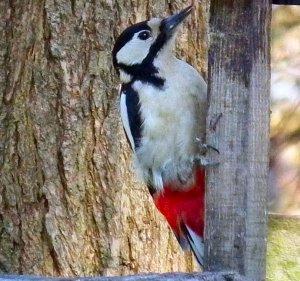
{"x": 238, "y": 125}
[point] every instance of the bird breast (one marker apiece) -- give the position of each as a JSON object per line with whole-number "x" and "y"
{"x": 169, "y": 126}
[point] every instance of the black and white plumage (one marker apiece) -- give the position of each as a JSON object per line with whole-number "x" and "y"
{"x": 158, "y": 101}
{"x": 131, "y": 117}
{"x": 163, "y": 109}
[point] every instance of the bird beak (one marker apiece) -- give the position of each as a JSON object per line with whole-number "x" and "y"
{"x": 170, "y": 23}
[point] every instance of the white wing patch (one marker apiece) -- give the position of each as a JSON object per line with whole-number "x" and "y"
{"x": 125, "y": 120}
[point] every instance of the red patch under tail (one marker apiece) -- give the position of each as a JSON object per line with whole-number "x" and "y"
{"x": 184, "y": 209}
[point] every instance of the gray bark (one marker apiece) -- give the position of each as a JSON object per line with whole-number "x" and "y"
{"x": 238, "y": 125}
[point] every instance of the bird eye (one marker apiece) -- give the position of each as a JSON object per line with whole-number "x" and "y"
{"x": 144, "y": 35}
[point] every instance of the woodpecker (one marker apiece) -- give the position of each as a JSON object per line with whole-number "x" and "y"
{"x": 163, "y": 104}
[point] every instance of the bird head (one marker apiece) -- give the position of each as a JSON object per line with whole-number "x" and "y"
{"x": 141, "y": 43}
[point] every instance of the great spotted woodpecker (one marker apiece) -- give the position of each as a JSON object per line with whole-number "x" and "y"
{"x": 163, "y": 108}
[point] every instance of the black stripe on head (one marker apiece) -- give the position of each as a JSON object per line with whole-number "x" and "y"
{"x": 160, "y": 41}
{"x": 125, "y": 37}
{"x": 145, "y": 71}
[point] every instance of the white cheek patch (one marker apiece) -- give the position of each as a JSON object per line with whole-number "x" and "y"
{"x": 134, "y": 51}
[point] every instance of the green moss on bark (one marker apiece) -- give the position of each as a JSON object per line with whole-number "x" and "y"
{"x": 283, "y": 251}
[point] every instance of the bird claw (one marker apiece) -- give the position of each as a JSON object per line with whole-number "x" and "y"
{"x": 205, "y": 147}
{"x": 201, "y": 159}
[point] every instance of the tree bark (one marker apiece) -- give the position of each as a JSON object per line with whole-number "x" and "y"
{"x": 238, "y": 125}
{"x": 69, "y": 203}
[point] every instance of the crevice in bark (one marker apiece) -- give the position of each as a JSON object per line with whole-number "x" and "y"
{"x": 48, "y": 241}
{"x": 73, "y": 3}
{"x": 61, "y": 170}
{"x": 46, "y": 36}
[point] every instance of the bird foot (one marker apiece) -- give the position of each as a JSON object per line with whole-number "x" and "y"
{"x": 205, "y": 147}
{"x": 201, "y": 158}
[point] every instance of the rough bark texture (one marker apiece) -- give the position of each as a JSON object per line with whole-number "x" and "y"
{"x": 220, "y": 276}
{"x": 238, "y": 125}
{"x": 69, "y": 204}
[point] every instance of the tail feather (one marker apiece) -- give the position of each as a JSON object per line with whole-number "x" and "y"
{"x": 184, "y": 211}
{"x": 195, "y": 242}
{"x": 183, "y": 242}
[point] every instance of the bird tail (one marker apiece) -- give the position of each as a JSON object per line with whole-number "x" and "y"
{"x": 184, "y": 211}
{"x": 195, "y": 242}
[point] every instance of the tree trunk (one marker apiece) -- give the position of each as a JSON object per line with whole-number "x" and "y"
{"x": 69, "y": 203}
{"x": 238, "y": 125}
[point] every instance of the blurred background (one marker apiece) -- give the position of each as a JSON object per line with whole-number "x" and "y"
{"x": 285, "y": 118}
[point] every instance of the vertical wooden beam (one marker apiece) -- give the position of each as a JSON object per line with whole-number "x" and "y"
{"x": 238, "y": 125}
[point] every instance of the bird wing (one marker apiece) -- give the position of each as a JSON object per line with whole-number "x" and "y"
{"x": 130, "y": 114}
